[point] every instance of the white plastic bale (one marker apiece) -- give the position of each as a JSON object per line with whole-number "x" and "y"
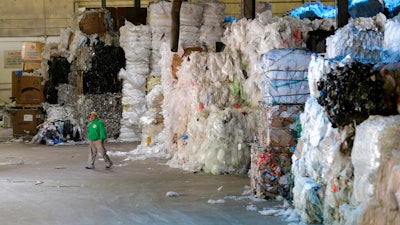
{"x": 159, "y": 13}
{"x": 320, "y": 143}
{"x": 319, "y": 66}
{"x": 369, "y": 153}
{"x": 135, "y": 79}
{"x": 191, "y": 14}
{"x": 210, "y": 34}
{"x": 136, "y": 42}
{"x": 155, "y": 97}
{"x": 213, "y": 13}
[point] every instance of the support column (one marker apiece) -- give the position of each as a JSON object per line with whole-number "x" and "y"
{"x": 175, "y": 17}
{"x": 342, "y": 17}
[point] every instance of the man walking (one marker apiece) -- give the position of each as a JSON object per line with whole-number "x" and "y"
{"x": 96, "y": 137}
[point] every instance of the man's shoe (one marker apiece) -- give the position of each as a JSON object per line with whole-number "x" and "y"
{"x": 109, "y": 167}
{"x": 89, "y": 168}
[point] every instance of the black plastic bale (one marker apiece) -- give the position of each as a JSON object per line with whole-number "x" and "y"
{"x": 59, "y": 68}
{"x": 50, "y": 92}
{"x": 352, "y": 93}
{"x": 103, "y": 75}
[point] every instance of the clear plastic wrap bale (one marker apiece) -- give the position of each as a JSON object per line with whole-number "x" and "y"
{"x": 352, "y": 92}
{"x": 215, "y": 79}
{"x": 284, "y": 76}
{"x": 376, "y": 161}
{"x": 216, "y": 141}
{"x": 359, "y": 43}
{"x": 392, "y": 40}
{"x": 307, "y": 199}
{"x": 193, "y": 104}
{"x": 370, "y": 154}
{"x": 133, "y": 107}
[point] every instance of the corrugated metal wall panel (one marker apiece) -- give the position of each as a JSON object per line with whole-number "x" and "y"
{"x": 21, "y": 18}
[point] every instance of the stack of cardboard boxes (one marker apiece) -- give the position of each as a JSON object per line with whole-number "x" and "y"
{"x": 28, "y": 91}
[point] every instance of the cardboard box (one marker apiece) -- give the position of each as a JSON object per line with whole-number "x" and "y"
{"x": 27, "y": 89}
{"x": 177, "y": 59}
{"x": 26, "y": 120}
{"x": 32, "y": 51}
{"x": 31, "y": 65}
{"x": 94, "y": 23}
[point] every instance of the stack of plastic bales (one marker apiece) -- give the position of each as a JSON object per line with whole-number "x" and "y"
{"x": 136, "y": 42}
{"x": 208, "y": 126}
{"x": 285, "y": 89}
{"x": 159, "y": 19}
{"x": 83, "y": 70}
{"x": 321, "y": 164}
{"x": 324, "y": 164}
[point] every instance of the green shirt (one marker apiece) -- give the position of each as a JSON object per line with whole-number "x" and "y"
{"x": 96, "y": 130}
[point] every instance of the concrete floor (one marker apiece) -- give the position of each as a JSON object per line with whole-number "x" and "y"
{"x": 49, "y": 185}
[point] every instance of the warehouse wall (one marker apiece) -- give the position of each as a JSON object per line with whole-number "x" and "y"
{"x": 10, "y": 60}
{"x": 37, "y": 20}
